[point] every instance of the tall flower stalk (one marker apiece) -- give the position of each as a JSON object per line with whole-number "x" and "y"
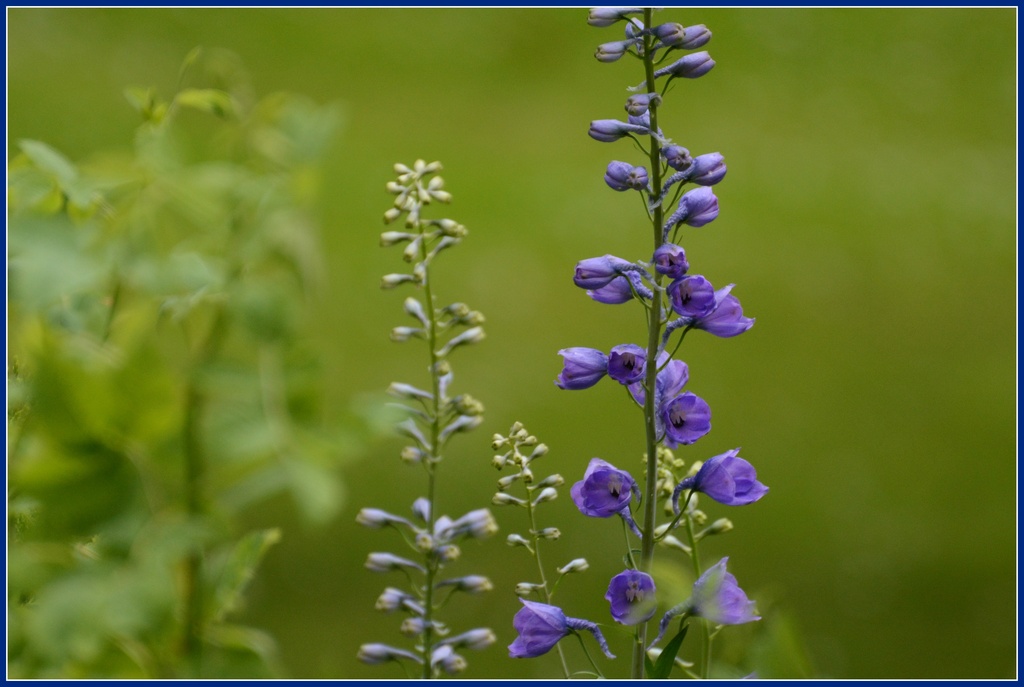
{"x": 434, "y": 418}
{"x": 675, "y": 302}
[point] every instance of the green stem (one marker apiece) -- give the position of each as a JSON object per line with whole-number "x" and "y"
{"x": 430, "y": 461}
{"x": 540, "y": 569}
{"x": 653, "y": 341}
{"x": 705, "y": 662}
{"x": 589, "y": 657}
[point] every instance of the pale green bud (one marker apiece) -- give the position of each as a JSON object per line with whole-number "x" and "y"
{"x": 574, "y": 566}
{"x": 546, "y": 494}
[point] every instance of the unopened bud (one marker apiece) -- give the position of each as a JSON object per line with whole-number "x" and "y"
{"x": 400, "y": 334}
{"x": 538, "y": 451}
{"x": 550, "y": 533}
{"x": 391, "y": 215}
{"x": 503, "y": 499}
{"x": 506, "y": 482}
{"x": 411, "y": 454}
{"x": 719, "y": 526}
{"x": 551, "y": 481}
{"x": 449, "y": 553}
{"x": 546, "y": 494}
{"x": 574, "y": 566}
{"x": 527, "y": 588}
{"x": 390, "y": 281}
{"x": 390, "y": 238}
{"x": 517, "y": 540}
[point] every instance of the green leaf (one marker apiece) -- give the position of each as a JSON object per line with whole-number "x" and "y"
{"x": 207, "y": 100}
{"x": 648, "y": 666}
{"x": 49, "y": 160}
{"x": 663, "y": 666}
{"x": 239, "y": 569}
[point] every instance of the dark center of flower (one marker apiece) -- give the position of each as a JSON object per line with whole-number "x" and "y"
{"x": 677, "y": 417}
{"x": 615, "y": 485}
{"x": 628, "y": 361}
{"x": 633, "y": 592}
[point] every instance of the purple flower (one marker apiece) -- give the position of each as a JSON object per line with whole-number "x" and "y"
{"x": 604, "y": 490}
{"x": 638, "y": 104}
{"x": 696, "y": 208}
{"x": 582, "y": 368}
{"x": 606, "y": 16}
{"x": 611, "y": 52}
{"x": 593, "y": 273}
{"x": 670, "y": 260}
{"x": 726, "y": 478}
{"x": 727, "y": 318}
{"x": 707, "y": 169}
{"x": 608, "y": 130}
{"x": 622, "y": 176}
{"x": 627, "y": 363}
{"x": 670, "y": 34}
{"x": 717, "y": 597}
{"x": 631, "y": 594}
{"x": 690, "y": 67}
{"x": 541, "y": 626}
{"x": 692, "y": 296}
{"x": 677, "y": 157}
{"x": 694, "y": 37}
{"x": 671, "y": 379}
{"x": 686, "y": 419}
{"x": 616, "y": 292}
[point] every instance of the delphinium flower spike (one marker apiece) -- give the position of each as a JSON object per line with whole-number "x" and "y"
{"x": 676, "y": 301}
{"x": 434, "y": 417}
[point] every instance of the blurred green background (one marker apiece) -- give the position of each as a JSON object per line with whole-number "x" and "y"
{"x": 867, "y": 219}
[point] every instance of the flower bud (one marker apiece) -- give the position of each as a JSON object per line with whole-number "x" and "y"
{"x": 386, "y": 562}
{"x": 473, "y": 584}
{"x": 470, "y": 336}
{"x": 637, "y": 105}
{"x": 400, "y": 334}
{"x": 694, "y": 37}
{"x": 527, "y": 588}
{"x": 670, "y": 260}
{"x": 670, "y": 34}
{"x": 546, "y": 494}
{"x": 551, "y": 481}
{"x": 677, "y": 157}
{"x": 391, "y": 600}
{"x": 550, "y": 533}
{"x": 391, "y": 215}
{"x": 707, "y": 169}
{"x": 375, "y": 518}
{"x": 411, "y": 454}
{"x": 390, "y": 238}
{"x": 477, "y": 524}
{"x": 506, "y": 482}
{"x": 424, "y": 542}
{"x": 390, "y": 281}
{"x": 500, "y": 461}
{"x": 622, "y": 176}
{"x": 593, "y": 273}
{"x": 606, "y": 16}
{"x": 449, "y": 553}
{"x": 464, "y": 404}
{"x": 540, "y": 450}
{"x": 611, "y": 52}
{"x": 421, "y": 508}
{"x": 719, "y": 526}
{"x": 412, "y": 627}
{"x": 503, "y": 499}
{"x": 608, "y": 130}
{"x": 477, "y": 639}
{"x": 517, "y": 540}
{"x": 692, "y": 66}
{"x": 374, "y": 654}
{"x": 450, "y": 662}
{"x": 408, "y": 391}
{"x": 574, "y": 566}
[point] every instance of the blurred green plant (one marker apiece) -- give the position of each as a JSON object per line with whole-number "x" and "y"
{"x": 158, "y": 381}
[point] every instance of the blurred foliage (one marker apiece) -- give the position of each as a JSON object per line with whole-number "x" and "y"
{"x": 159, "y": 385}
